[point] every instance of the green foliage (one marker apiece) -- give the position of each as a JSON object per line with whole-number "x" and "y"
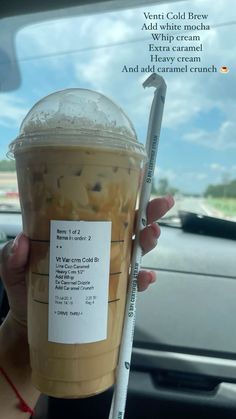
{"x": 163, "y": 188}
{"x": 227, "y": 206}
{"x": 7, "y": 166}
{"x": 222, "y": 190}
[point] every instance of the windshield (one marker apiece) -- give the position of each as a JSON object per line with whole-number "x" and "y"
{"x": 190, "y": 43}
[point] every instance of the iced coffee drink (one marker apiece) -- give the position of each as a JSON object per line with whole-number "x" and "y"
{"x": 78, "y": 203}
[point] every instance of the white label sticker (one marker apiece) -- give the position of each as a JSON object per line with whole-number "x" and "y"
{"x": 79, "y": 281}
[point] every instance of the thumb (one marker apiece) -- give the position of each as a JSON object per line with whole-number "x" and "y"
{"x": 14, "y": 260}
{"x": 14, "y": 257}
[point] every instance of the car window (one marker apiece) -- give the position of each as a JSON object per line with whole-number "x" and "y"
{"x": 113, "y": 53}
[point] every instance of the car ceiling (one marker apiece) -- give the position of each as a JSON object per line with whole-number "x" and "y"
{"x": 14, "y": 7}
{"x": 15, "y": 14}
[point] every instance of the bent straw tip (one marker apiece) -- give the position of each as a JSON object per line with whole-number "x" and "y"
{"x": 154, "y": 80}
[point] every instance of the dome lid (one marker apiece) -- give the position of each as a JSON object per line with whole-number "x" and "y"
{"x": 76, "y": 117}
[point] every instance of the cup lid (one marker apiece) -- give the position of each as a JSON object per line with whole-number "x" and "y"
{"x": 76, "y": 117}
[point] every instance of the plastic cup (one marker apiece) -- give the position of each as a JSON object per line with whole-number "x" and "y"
{"x": 78, "y": 166}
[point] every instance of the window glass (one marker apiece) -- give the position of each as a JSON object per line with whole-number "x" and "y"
{"x": 107, "y": 52}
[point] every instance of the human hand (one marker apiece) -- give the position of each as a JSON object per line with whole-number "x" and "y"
{"x": 14, "y": 257}
{"x": 150, "y": 234}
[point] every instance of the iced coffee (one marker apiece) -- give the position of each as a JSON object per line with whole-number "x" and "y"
{"x": 86, "y": 190}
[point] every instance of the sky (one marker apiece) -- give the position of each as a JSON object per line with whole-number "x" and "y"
{"x": 197, "y": 144}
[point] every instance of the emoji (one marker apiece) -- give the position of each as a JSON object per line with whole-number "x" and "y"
{"x": 224, "y": 69}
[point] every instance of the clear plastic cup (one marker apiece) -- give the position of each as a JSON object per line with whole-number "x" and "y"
{"x": 78, "y": 166}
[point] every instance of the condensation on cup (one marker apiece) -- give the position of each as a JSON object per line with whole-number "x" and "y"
{"x": 78, "y": 165}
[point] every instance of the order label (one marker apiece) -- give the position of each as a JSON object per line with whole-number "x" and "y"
{"x": 79, "y": 281}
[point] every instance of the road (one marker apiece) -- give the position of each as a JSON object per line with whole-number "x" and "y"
{"x": 192, "y": 204}
{"x": 197, "y": 205}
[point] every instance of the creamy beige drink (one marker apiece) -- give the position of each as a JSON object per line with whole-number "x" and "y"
{"x": 76, "y": 183}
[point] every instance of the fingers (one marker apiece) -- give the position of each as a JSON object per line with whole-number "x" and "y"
{"x": 145, "y": 278}
{"x": 14, "y": 259}
{"x": 159, "y": 207}
{"x": 148, "y": 237}
{"x": 156, "y": 209}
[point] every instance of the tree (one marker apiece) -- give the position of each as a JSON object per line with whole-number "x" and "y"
{"x": 222, "y": 190}
{"x": 7, "y": 166}
{"x": 163, "y": 187}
